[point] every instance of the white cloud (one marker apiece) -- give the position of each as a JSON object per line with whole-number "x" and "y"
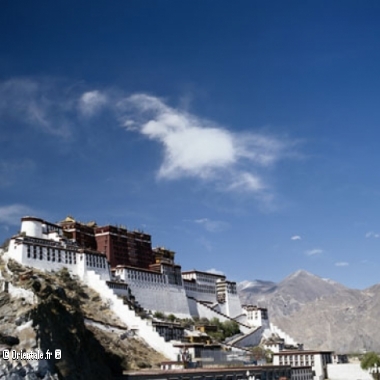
{"x": 215, "y": 271}
{"x": 341, "y": 264}
{"x": 12, "y": 214}
{"x": 195, "y": 147}
{"x": 372, "y": 234}
{"x": 247, "y": 181}
{"x": 91, "y": 102}
{"x": 41, "y": 103}
{"x": 192, "y": 146}
{"x": 315, "y": 251}
{"x": 295, "y": 237}
{"x": 212, "y": 225}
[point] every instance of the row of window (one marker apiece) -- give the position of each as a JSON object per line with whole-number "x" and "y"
{"x": 34, "y": 241}
{"x": 201, "y": 278}
{"x": 302, "y": 374}
{"x": 257, "y": 315}
{"x": 297, "y": 363}
{"x": 51, "y": 254}
{"x": 142, "y": 276}
{"x": 200, "y": 288}
{"x": 95, "y": 261}
{"x": 114, "y": 285}
{"x": 296, "y": 356}
{"x": 192, "y": 286}
{"x": 62, "y": 256}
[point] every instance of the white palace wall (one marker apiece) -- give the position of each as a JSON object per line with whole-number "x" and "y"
{"x": 233, "y": 305}
{"x": 42, "y": 245}
{"x": 250, "y": 338}
{"x": 347, "y": 371}
{"x": 205, "y": 312}
{"x": 153, "y": 291}
{"x": 201, "y": 295}
{"x": 49, "y": 255}
{"x": 167, "y": 298}
{"x": 34, "y": 253}
{"x": 193, "y": 309}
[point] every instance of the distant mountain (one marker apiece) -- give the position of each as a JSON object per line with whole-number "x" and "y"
{"x": 289, "y": 295}
{"x": 318, "y": 312}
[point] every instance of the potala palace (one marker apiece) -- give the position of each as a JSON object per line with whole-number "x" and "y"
{"x": 140, "y": 276}
{"x": 137, "y": 281}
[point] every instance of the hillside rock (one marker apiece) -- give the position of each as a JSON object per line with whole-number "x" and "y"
{"x": 49, "y": 311}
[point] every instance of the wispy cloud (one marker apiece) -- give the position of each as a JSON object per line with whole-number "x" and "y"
{"x": 315, "y": 251}
{"x": 11, "y": 214}
{"x": 215, "y": 271}
{"x": 205, "y": 243}
{"x": 372, "y": 234}
{"x": 295, "y": 237}
{"x": 212, "y": 225}
{"x": 41, "y": 103}
{"x": 92, "y": 102}
{"x": 198, "y": 148}
{"x": 341, "y": 264}
{"x": 192, "y": 146}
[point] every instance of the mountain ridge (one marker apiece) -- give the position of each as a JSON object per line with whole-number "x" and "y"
{"x": 319, "y": 312}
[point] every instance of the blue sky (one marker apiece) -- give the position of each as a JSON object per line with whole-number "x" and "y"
{"x": 243, "y": 135}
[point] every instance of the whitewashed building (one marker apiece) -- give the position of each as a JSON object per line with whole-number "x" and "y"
{"x": 163, "y": 287}
{"x": 256, "y": 316}
{"x": 42, "y": 245}
{"x": 318, "y": 360}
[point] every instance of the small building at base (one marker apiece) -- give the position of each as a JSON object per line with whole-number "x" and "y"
{"x": 318, "y": 360}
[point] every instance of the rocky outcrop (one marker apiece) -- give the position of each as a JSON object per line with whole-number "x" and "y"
{"x": 48, "y": 312}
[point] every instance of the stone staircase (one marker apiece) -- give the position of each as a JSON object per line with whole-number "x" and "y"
{"x": 142, "y": 327}
{"x": 223, "y": 317}
{"x": 287, "y": 339}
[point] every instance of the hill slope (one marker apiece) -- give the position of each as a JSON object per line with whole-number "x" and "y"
{"x": 320, "y": 313}
{"x": 50, "y": 311}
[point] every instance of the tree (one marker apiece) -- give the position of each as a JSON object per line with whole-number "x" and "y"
{"x": 371, "y": 361}
{"x": 187, "y": 323}
{"x": 159, "y": 315}
{"x": 260, "y": 353}
{"x": 226, "y": 329}
{"x": 230, "y": 328}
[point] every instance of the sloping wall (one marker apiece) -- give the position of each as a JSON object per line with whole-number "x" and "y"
{"x": 167, "y": 298}
{"x": 349, "y": 371}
